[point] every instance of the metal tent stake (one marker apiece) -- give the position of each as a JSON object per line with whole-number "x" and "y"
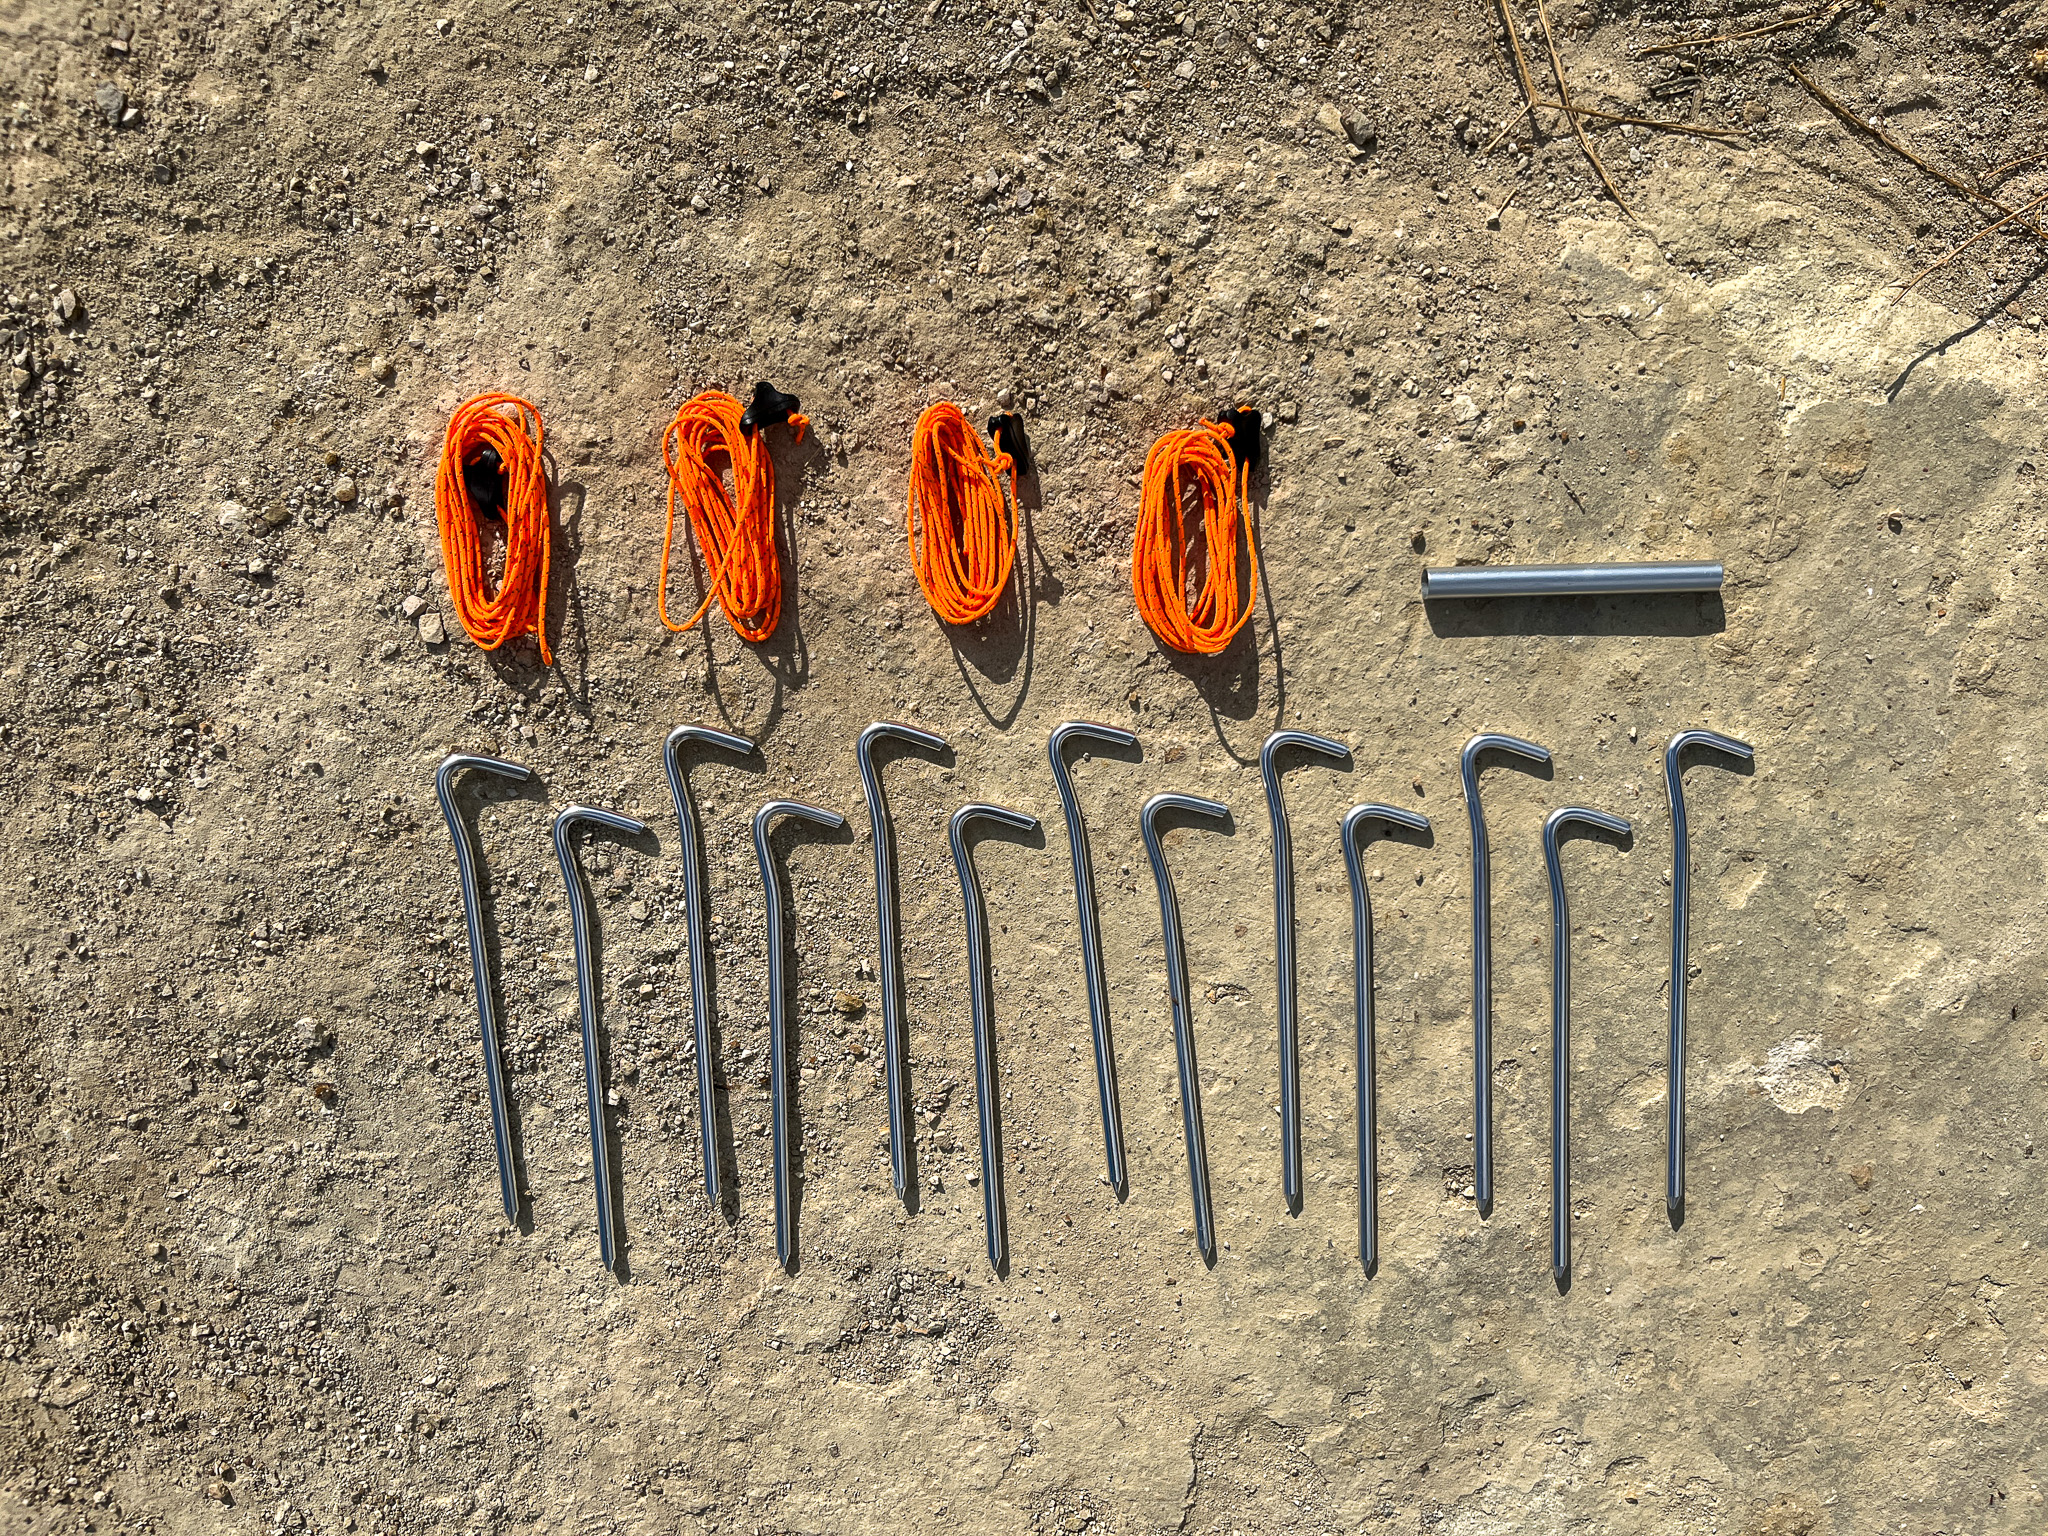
{"x": 893, "y": 1044}
{"x": 1482, "y": 953}
{"x": 778, "y": 1039}
{"x": 1681, "y": 893}
{"x": 586, "y": 1000}
{"x": 1561, "y": 1031}
{"x": 1283, "y": 944}
{"x": 695, "y": 939}
{"x": 1183, "y": 1021}
{"x": 1091, "y": 935}
{"x": 978, "y": 991}
{"x": 472, "y": 915}
{"x": 1355, "y": 821}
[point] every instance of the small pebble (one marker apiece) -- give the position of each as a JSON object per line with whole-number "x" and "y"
{"x": 345, "y": 489}
{"x": 432, "y": 630}
{"x": 590, "y": 73}
{"x": 380, "y": 368}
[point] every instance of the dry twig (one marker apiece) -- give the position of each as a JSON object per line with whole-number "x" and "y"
{"x": 1571, "y": 113}
{"x": 1506, "y": 128}
{"x": 1892, "y": 144}
{"x": 1828, "y": 13}
{"x": 1952, "y": 255}
{"x": 1521, "y": 65}
{"x": 1650, "y": 122}
{"x": 2012, "y": 165}
{"x": 1613, "y": 117}
{"x": 1975, "y": 194}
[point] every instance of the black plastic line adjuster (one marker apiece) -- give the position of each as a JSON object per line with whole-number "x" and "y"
{"x": 771, "y": 407}
{"x": 1246, "y": 446}
{"x": 483, "y": 482}
{"x": 1007, "y": 428}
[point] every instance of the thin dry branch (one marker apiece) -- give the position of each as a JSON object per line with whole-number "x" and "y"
{"x": 2012, "y": 165}
{"x": 1613, "y": 117}
{"x": 1828, "y": 13}
{"x": 1521, "y": 62}
{"x": 1821, "y": 95}
{"x": 1507, "y": 128}
{"x": 1571, "y": 113}
{"x": 1651, "y": 122}
{"x": 1974, "y": 194}
{"x": 1952, "y": 255}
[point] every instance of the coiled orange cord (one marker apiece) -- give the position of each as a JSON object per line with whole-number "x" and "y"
{"x": 510, "y": 428}
{"x": 1159, "y": 554}
{"x": 735, "y": 537}
{"x": 963, "y": 533}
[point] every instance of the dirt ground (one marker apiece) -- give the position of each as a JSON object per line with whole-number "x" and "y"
{"x": 255, "y": 1274}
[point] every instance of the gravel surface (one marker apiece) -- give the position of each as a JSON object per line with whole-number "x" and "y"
{"x": 257, "y": 1277}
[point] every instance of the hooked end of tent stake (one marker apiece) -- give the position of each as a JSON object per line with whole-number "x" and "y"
{"x": 770, "y": 408}
{"x": 1007, "y": 428}
{"x": 1246, "y": 445}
